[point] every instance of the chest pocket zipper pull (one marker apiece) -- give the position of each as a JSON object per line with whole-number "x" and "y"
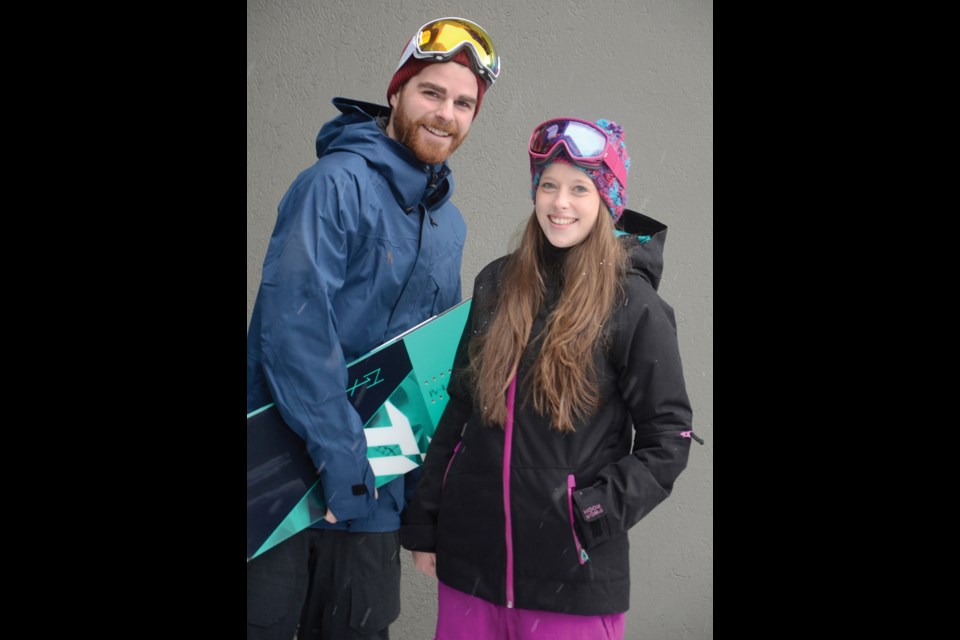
{"x": 456, "y": 450}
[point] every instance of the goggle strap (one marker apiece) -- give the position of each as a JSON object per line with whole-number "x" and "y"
{"x": 612, "y": 159}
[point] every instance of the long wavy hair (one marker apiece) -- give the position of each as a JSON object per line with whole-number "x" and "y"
{"x": 563, "y": 378}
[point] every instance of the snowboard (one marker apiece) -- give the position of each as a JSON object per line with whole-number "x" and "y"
{"x": 399, "y": 391}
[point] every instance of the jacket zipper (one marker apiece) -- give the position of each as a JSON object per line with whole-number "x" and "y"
{"x": 508, "y": 524}
{"x": 582, "y": 556}
{"x": 455, "y": 450}
{"x": 450, "y": 464}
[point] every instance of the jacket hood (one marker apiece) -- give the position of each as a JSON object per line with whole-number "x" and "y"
{"x": 356, "y": 131}
{"x": 644, "y": 238}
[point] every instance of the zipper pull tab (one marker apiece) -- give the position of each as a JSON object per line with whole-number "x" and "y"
{"x": 691, "y": 434}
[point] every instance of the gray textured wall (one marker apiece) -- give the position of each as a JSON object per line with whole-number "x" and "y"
{"x": 647, "y": 64}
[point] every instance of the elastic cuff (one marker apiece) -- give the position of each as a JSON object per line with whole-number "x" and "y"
{"x": 418, "y": 537}
{"x": 353, "y": 501}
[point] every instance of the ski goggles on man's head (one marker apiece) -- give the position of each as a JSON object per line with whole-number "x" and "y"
{"x": 442, "y": 39}
{"x": 585, "y": 143}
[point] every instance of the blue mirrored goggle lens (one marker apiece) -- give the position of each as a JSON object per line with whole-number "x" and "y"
{"x": 582, "y": 140}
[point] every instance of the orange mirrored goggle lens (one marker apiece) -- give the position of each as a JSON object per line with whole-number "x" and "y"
{"x": 448, "y": 35}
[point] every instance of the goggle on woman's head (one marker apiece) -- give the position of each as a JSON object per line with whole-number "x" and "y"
{"x": 441, "y": 40}
{"x": 585, "y": 144}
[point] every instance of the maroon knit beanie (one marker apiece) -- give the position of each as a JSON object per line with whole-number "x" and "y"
{"x": 414, "y": 66}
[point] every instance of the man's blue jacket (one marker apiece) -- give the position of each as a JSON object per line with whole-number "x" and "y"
{"x": 367, "y": 244}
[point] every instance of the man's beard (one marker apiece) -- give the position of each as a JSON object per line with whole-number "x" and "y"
{"x": 431, "y": 152}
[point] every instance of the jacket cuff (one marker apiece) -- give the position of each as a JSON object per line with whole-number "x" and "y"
{"x": 418, "y": 537}
{"x": 353, "y": 501}
{"x": 593, "y": 521}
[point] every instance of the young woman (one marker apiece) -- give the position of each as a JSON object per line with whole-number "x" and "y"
{"x": 568, "y": 419}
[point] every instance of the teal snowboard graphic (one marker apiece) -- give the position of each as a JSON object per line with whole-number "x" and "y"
{"x": 399, "y": 391}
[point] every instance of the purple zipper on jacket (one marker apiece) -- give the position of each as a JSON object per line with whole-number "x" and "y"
{"x": 450, "y": 464}
{"x": 581, "y": 552}
{"x": 507, "y": 446}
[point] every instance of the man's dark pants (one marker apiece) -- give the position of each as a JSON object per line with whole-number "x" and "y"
{"x": 334, "y": 585}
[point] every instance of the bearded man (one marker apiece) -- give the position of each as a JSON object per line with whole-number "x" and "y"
{"x": 367, "y": 244}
